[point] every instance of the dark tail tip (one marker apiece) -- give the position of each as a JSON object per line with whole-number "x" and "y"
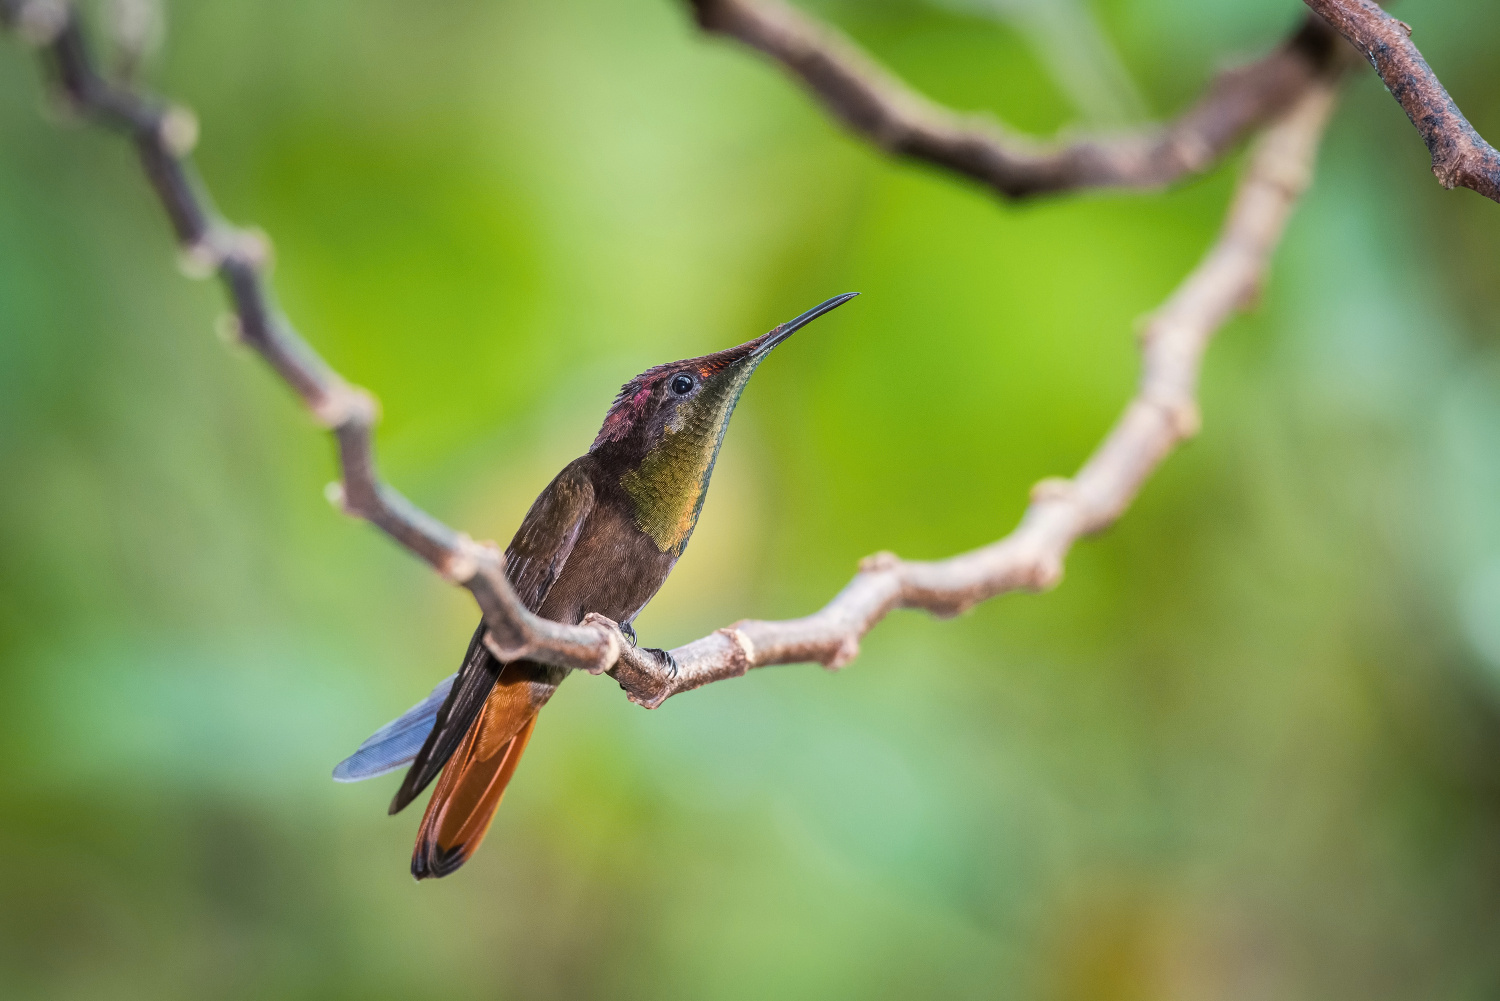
{"x": 437, "y": 863}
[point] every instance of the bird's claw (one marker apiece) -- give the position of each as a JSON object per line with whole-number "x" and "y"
{"x": 621, "y": 629}
{"x": 665, "y": 659}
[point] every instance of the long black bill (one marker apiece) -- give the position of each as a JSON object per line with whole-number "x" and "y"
{"x": 789, "y": 328}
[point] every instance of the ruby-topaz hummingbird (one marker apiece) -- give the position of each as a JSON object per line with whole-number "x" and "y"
{"x": 601, "y": 538}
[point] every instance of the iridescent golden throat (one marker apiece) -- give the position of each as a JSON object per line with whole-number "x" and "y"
{"x": 669, "y": 485}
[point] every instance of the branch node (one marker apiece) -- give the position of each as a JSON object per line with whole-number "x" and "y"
{"x": 201, "y": 258}
{"x": 881, "y": 562}
{"x": 178, "y": 130}
{"x": 1053, "y": 489}
{"x": 613, "y": 639}
{"x": 1193, "y": 151}
{"x": 844, "y": 653}
{"x": 229, "y": 330}
{"x": 462, "y": 561}
{"x": 505, "y": 654}
{"x": 334, "y": 494}
{"x": 342, "y": 404}
{"x": 40, "y": 22}
{"x": 744, "y": 648}
{"x": 251, "y": 247}
{"x": 1183, "y": 416}
{"x": 1044, "y": 572}
{"x": 1187, "y": 419}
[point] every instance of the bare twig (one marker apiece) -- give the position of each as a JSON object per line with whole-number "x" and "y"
{"x": 1460, "y": 156}
{"x": 900, "y": 121}
{"x": 1163, "y": 413}
{"x": 163, "y": 137}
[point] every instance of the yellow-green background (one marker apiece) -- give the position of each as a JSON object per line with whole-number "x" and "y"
{"x": 1249, "y": 749}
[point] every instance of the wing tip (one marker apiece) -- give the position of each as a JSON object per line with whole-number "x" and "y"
{"x": 396, "y": 744}
{"x": 351, "y": 770}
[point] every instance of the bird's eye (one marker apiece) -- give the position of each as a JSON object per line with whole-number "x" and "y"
{"x": 682, "y": 385}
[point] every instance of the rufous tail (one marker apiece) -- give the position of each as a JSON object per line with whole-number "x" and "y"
{"x": 473, "y": 782}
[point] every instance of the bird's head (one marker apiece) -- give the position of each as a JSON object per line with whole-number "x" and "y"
{"x": 664, "y": 429}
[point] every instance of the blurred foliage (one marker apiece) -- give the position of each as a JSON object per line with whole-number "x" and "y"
{"x": 1249, "y": 749}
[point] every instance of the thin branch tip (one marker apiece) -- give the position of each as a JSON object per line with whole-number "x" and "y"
{"x": 1460, "y": 155}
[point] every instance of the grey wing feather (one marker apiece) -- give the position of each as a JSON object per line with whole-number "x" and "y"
{"x": 396, "y": 743}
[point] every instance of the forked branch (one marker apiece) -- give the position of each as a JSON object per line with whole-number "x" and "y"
{"x": 883, "y": 109}
{"x": 1163, "y": 412}
{"x": 1460, "y": 156}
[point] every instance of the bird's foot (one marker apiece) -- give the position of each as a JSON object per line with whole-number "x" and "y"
{"x": 622, "y": 630}
{"x": 647, "y": 674}
{"x": 665, "y": 659}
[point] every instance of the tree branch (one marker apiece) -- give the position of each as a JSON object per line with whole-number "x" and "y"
{"x": 1163, "y": 412}
{"x": 884, "y": 110}
{"x": 1460, "y": 156}
{"x": 163, "y": 137}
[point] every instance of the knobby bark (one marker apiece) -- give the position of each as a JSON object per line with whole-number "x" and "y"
{"x": 164, "y": 135}
{"x": 1163, "y": 412}
{"x": 884, "y": 110}
{"x": 1294, "y": 87}
{"x": 1460, "y": 156}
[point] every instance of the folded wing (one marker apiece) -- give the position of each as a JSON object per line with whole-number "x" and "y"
{"x": 396, "y": 743}
{"x": 534, "y": 560}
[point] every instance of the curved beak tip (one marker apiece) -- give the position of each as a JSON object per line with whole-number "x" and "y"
{"x": 786, "y": 330}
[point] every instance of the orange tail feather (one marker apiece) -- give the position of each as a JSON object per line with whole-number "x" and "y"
{"x": 473, "y": 783}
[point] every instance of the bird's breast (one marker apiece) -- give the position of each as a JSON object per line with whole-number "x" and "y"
{"x": 613, "y": 570}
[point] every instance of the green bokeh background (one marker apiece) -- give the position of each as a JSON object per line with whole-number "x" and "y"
{"x": 1249, "y": 749}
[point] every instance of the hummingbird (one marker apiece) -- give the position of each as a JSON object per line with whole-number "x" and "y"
{"x": 601, "y": 538}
